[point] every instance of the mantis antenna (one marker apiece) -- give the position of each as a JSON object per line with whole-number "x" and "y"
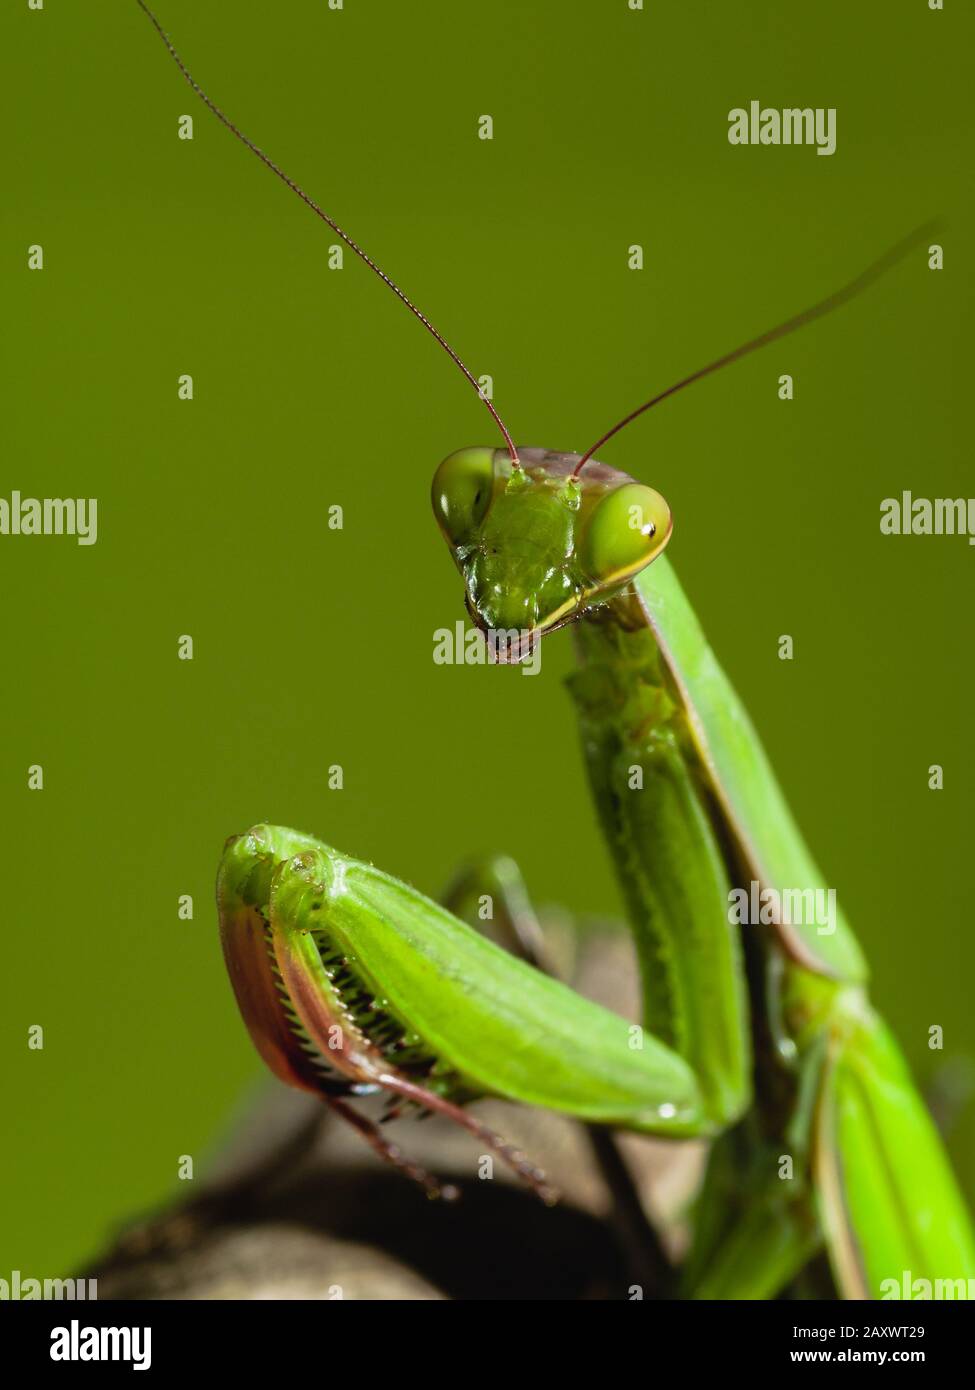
{"x": 824, "y": 306}
{"x": 319, "y": 212}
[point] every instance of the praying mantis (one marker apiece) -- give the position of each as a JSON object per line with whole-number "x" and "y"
{"x": 757, "y": 1032}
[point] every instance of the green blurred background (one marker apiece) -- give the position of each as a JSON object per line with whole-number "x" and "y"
{"x": 313, "y": 387}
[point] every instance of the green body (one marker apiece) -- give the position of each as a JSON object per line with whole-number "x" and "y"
{"x": 760, "y": 1035}
{"x": 757, "y": 1034}
{"x": 829, "y": 1089}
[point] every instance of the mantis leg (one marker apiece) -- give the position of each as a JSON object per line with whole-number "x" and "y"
{"x": 390, "y": 1153}
{"x": 490, "y": 894}
{"x": 894, "y": 1219}
{"x": 672, "y": 867}
{"x": 754, "y": 1231}
{"x": 858, "y": 1169}
{"x": 351, "y": 981}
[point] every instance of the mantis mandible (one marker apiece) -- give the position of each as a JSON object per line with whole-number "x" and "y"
{"x": 759, "y": 1036}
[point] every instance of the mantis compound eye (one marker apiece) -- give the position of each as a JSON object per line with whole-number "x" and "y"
{"x": 628, "y": 527}
{"x": 463, "y": 486}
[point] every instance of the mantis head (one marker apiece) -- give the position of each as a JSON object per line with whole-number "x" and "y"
{"x": 539, "y": 545}
{"x": 543, "y": 537}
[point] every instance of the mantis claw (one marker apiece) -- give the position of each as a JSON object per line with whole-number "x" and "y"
{"x": 391, "y": 1153}
{"x": 311, "y": 1009}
